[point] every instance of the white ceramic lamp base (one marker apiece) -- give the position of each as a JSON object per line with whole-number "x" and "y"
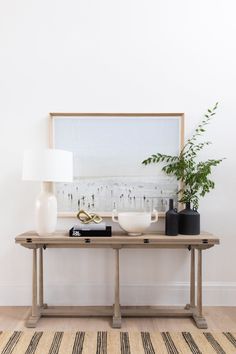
{"x": 46, "y": 211}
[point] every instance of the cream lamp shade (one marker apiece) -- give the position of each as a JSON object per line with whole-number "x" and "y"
{"x": 47, "y": 166}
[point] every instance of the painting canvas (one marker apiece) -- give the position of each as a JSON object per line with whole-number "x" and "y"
{"x": 108, "y": 152}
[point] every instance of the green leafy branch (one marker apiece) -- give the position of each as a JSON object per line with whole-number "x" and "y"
{"x": 193, "y": 175}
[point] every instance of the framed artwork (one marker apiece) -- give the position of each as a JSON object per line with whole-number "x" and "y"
{"x": 108, "y": 151}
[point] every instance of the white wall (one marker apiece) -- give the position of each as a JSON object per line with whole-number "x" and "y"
{"x": 115, "y": 56}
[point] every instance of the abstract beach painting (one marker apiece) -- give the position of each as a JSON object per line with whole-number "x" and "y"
{"x": 108, "y": 151}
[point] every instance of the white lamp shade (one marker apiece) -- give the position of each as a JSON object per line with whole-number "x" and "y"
{"x": 49, "y": 165}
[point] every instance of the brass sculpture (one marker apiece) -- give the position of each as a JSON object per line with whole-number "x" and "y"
{"x": 87, "y": 218}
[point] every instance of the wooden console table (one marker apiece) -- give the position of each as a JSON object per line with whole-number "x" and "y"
{"x": 117, "y": 242}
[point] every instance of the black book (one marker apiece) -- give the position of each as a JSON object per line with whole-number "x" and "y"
{"x": 90, "y": 233}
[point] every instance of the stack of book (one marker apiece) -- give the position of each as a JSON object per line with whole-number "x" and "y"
{"x": 91, "y": 229}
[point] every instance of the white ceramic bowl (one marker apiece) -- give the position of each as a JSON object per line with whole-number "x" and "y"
{"x": 134, "y": 223}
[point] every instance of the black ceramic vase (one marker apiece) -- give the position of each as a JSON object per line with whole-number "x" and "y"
{"x": 189, "y": 221}
{"x": 172, "y": 220}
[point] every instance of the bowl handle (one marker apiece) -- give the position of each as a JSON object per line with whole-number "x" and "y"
{"x": 114, "y": 217}
{"x": 155, "y": 217}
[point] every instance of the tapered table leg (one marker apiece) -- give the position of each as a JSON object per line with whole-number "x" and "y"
{"x": 35, "y": 315}
{"x": 198, "y": 316}
{"x": 116, "y": 321}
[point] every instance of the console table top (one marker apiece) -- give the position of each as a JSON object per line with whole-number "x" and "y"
{"x": 61, "y": 238}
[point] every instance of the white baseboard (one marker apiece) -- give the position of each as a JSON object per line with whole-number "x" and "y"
{"x": 169, "y": 293}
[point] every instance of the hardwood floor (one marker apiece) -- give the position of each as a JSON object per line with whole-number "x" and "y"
{"x": 218, "y": 319}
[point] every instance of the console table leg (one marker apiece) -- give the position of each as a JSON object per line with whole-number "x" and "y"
{"x": 41, "y": 287}
{"x": 35, "y": 315}
{"x": 41, "y": 277}
{"x": 34, "y": 284}
{"x": 198, "y": 316}
{"x": 199, "y": 284}
{"x": 116, "y": 321}
{"x": 192, "y": 279}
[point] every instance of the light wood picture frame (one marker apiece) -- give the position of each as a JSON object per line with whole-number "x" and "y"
{"x": 108, "y": 152}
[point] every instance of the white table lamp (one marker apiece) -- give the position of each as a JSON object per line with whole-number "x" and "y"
{"x": 47, "y": 166}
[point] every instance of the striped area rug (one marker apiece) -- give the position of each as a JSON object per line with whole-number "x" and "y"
{"x": 116, "y": 342}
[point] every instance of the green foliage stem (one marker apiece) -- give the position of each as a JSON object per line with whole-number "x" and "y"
{"x": 194, "y": 175}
